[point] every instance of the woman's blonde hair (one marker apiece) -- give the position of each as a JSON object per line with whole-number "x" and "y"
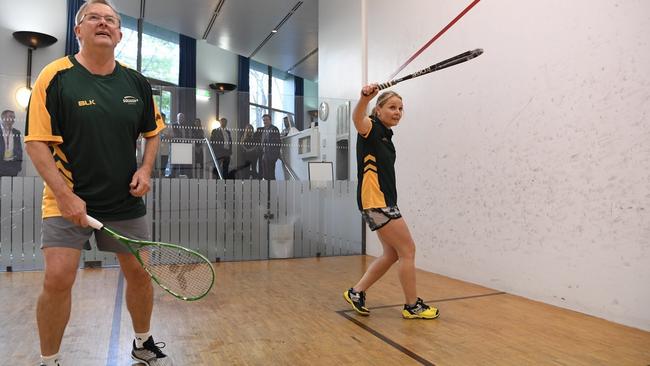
{"x": 383, "y": 98}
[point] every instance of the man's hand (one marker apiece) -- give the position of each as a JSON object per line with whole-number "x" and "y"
{"x": 72, "y": 208}
{"x": 140, "y": 183}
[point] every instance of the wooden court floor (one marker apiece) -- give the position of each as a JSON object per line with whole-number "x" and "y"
{"x": 291, "y": 312}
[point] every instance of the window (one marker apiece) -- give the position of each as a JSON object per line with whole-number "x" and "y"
{"x": 160, "y": 50}
{"x": 256, "y": 114}
{"x": 163, "y": 99}
{"x": 278, "y": 103}
{"x": 283, "y": 91}
{"x": 259, "y": 84}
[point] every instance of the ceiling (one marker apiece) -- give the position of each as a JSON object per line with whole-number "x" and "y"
{"x": 243, "y": 27}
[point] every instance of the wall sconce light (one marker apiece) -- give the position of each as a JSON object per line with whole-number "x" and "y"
{"x": 221, "y": 88}
{"x": 22, "y": 96}
{"x": 32, "y": 40}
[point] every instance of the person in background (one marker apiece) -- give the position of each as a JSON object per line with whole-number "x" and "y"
{"x": 270, "y": 143}
{"x": 289, "y": 129}
{"x": 249, "y": 152}
{"x": 181, "y": 130}
{"x": 198, "y": 137}
{"x": 11, "y": 150}
{"x": 221, "y": 141}
{"x": 256, "y": 154}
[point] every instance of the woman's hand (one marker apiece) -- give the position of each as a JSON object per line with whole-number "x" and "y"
{"x": 369, "y": 91}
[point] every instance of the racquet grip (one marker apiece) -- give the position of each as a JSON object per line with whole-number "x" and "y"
{"x": 94, "y": 223}
{"x": 387, "y": 84}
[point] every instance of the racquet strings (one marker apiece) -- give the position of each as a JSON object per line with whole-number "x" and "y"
{"x": 179, "y": 271}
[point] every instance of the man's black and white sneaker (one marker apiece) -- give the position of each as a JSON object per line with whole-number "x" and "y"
{"x": 56, "y": 363}
{"x": 150, "y": 354}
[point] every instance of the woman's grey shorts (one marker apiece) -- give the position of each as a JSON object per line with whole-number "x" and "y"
{"x": 378, "y": 217}
{"x": 59, "y": 232}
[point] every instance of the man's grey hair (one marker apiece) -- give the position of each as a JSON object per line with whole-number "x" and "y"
{"x": 82, "y": 9}
{"x": 6, "y": 113}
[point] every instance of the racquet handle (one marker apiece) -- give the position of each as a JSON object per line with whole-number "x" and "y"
{"x": 94, "y": 223}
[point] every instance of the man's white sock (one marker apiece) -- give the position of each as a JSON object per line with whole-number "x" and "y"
{"x": 51, "y": 360}
{"x": 140, "y": 338}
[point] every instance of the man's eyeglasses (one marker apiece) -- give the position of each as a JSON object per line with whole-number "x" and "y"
{"x": 96, "y": 18}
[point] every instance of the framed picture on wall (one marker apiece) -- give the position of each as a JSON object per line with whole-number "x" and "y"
{"x": 321, "y": 174}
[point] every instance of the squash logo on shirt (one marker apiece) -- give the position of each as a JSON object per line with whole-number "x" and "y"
{"x": 86, "y": 103}
{"x": 130, "y": 100}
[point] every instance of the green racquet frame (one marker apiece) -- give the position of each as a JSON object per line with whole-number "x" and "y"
{"x": 184, "y": 273}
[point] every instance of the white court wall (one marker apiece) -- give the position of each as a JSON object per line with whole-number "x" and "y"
{"x": 527, "y": 169}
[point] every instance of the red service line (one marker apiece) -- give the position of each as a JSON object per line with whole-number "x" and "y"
{"x": 462, "y": 13}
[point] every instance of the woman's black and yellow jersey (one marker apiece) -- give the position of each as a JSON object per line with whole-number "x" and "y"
{"x": 376, "y": 167}
{"x": 91, "y": 124}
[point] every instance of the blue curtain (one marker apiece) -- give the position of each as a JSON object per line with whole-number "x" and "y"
{"x": 187, "y": 78}
{"x": 71, "y": 45}
{"x": 187, "y": 72}
{"x": 243, "y": 89}
{"x": 299, "y": 84}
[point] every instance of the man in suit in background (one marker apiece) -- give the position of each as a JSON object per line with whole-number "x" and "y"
{"x": 270, "y": 140}
{"x": 221, "y": 141}
{"x": 11, "y": 150}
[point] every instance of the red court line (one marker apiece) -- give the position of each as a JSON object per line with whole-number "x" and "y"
{"x": 467, "y": 9}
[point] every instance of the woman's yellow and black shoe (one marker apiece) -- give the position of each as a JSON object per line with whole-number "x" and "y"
{"x": 420, "y": 310}
{"x": 357, "y": 300}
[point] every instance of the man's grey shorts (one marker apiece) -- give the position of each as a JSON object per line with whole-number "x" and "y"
{"x": 59, "y": 232}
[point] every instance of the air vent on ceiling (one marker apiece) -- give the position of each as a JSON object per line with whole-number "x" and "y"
{"x": 276, "y": 29}
{"x": 310, "y": 54}
{"x": 215, "y": 14}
